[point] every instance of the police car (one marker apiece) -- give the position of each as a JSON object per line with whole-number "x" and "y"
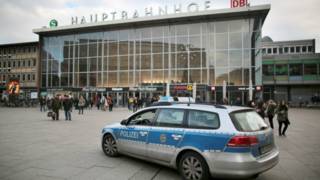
{"x": 199, "y": 140}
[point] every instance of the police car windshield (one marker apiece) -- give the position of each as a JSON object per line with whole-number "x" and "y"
{"x": 248, "y": 121}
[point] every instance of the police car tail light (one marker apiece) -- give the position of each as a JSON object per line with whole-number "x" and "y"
{"x": 243, "y": 141}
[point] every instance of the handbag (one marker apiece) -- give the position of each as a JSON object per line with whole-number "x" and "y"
{"x": 287, "y": 121}
{"x": 49, "y": 114}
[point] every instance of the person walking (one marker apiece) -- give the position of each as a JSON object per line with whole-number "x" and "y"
{"x": 56, "y": 105}
{"x": 42, "y": 102}
{"x": 282, "y": 116}
{"x": 67, "y": 106}
{"x": 81, "y": 104}
{"x": 271, "y": 107}
{"x": 261, "y": 108}
{"x": 110, "y": 102}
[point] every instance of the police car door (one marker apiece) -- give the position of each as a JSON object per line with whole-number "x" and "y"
{"x": 132, "y": 138}
{"x": 166, "y": 134}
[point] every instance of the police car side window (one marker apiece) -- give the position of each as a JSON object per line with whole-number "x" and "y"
{"x": 170, "y": 117}
{"x": 203, "y": 119}
{"x": 143, "y": 118}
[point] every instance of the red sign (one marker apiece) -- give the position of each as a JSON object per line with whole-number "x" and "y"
{"x": 180, "y": 88}
{"x": 238, "y": 3}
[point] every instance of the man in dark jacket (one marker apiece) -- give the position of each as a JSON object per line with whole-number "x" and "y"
{"x": 56, "y": 105}
{"x": 67, "y": 106}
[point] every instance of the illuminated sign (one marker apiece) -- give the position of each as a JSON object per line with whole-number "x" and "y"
{"x": 149, "y": 11}
{"x": 238, "y": 3}
{"x": 13, "y": 87}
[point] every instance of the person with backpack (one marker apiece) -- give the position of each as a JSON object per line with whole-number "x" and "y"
{"x": 282, "y": 116}
{"x": 81, "y": 104}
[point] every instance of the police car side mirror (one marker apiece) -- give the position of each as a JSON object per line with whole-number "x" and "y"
{"x": 124, "y": 122}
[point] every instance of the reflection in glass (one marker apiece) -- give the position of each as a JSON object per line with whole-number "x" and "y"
{"x": 235, "y": 58}
{"x": 221, "y": 75}
{"x": 222, "y": 58}
{"x": 123, "y": 79}
{"x": 235, "y": 76}
{"x": 157, "y": 61}
{"x": 195, "y": 76}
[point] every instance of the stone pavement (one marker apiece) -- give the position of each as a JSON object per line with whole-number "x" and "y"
{"x": 34, "y": 147}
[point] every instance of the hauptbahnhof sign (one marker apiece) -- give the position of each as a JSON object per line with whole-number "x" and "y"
{"x": 150, "y": 11}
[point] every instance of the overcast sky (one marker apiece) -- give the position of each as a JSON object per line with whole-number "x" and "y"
{"x": 287, "y": 20}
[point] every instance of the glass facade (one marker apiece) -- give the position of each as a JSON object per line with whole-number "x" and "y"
{"x": 203, "y": 53}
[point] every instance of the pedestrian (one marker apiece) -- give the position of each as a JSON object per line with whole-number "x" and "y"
{"x": 67, "y": 106}
{"x": 238, "y": 102}
{"x": 56, "y": 105}
{"x": 110, "y": 102}
{"x": 42, "y": 102}
{"x": 98, "y": 101}
{"x": 271, "y": 107}
{"x": 261, "y": 108}
{"x": 130, "y": 104}
{"x": 103, "y": 102}
{"x": 135, "y": 104}
{"x": 282, "y": 116}
{"x": 81, "y": 104}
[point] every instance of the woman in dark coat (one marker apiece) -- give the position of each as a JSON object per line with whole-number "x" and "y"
{"x": 282, "y": 112}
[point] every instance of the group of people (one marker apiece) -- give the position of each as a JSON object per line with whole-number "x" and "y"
{"x": 270, "y": 109}
{"x": 67, "y": 102}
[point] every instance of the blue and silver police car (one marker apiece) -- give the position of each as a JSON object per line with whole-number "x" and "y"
{"x": 199, "y": 140}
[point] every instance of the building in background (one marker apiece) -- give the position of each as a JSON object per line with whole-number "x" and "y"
{"x": 19, "y": 62}
{"x": 141, "y": 56}
{"x": 290, "y": 70}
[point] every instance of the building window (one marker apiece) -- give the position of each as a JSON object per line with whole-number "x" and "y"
{"x": 275, "y": 50}
{"x": 268, "y": 70}
{"x": 18, "y": 76}
{"x": 33, "y": 77}
{"x": 281, "y": 70}
{"x": 310, "y": 49}
{"x": 304, "y": 49}
{"x": 269, "y": 51}
{"x": 23, "y": 77}
{"x": 286, "y": 50}
{"x": 4, "y": 64}
{"x": 34, "y": 62}
{"x": 310, "y": 69}
{"x": 18, "y": 63}
{"x": 13, "y": 64}
{"x": 23, "y": 63}
{"x": 298, "y": 49}
{"x": 291, "y": 49}
{"x": 29, "y": 63}
{"x": 295, "y": 69}
{"x": 280, "y": 50}
{"x": 264, "y": 51}
{"x": 29, "y": 77}
{"x": 9, "y": 64}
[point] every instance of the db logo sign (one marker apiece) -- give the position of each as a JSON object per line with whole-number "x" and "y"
{"x": 238, "y": 3}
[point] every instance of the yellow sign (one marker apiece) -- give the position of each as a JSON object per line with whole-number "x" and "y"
{"x": 189, "y": 87}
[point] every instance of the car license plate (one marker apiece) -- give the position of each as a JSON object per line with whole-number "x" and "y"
{"x": 266, "y": 148}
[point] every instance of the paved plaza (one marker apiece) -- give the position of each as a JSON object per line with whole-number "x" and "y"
{"x": 34, "y": 147}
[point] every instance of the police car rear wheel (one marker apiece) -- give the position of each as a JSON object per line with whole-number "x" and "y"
{"x": 193, "y": 167}
{"x": 109, "y": 146}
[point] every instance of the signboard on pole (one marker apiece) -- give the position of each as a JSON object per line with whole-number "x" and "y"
{"x": 34, "y": 95}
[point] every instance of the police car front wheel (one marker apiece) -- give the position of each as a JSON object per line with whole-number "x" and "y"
{"x": 193, "y": 167}
{"x": 109, "y": 146}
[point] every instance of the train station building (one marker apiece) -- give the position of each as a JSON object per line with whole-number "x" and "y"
{"x": 218, "y": 52}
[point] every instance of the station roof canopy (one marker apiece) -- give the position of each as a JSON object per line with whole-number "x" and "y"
{"x": 220, "y": 14}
